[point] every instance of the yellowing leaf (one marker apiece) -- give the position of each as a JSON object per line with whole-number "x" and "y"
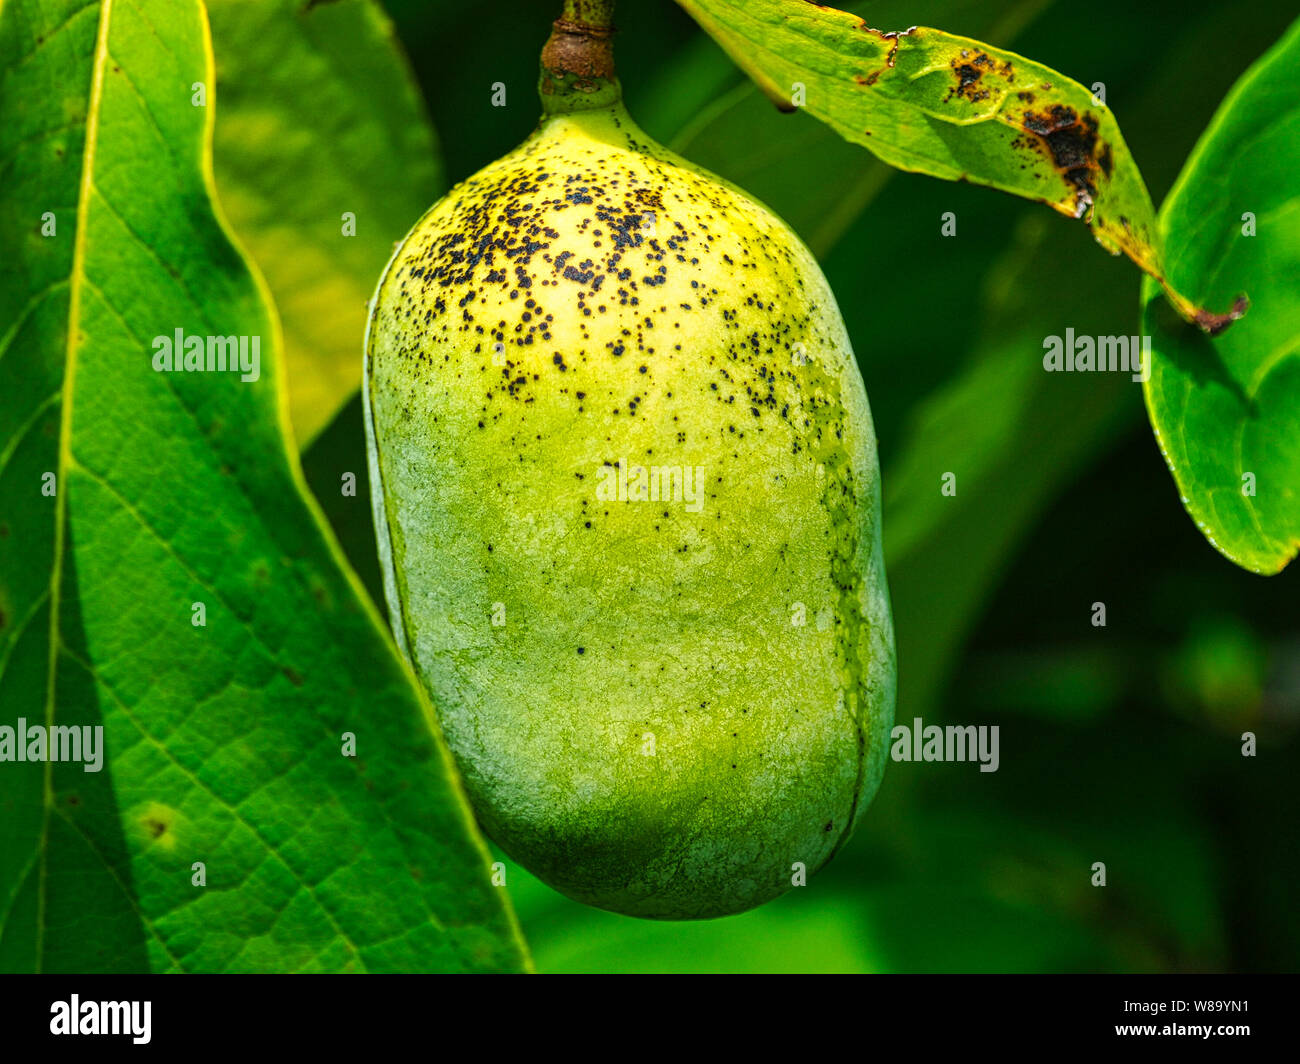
{"x": 957, "y": 109}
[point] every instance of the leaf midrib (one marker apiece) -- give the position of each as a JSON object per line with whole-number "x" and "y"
{"x": 75, "y": 279}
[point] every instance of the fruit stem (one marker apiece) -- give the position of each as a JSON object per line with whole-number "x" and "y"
{"x": 578, "y": 60}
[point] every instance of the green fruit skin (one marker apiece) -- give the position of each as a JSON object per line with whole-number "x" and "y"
{"x": 686, "y": 703}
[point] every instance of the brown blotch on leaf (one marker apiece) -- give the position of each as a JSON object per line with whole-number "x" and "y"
{"x": 1107, "y": 159}
{"x": 1076, "y": 151}
{"x": 969, "y": 70}
{"x": 871, "y": 77}
{"x": 893, "y": 37}
{"x": 968, "y": 82}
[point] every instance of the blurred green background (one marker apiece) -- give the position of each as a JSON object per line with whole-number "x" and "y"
{"x": 1119, "y": 744}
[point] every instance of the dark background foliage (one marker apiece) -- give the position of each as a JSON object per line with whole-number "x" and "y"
{"x": 1120, "y": 744}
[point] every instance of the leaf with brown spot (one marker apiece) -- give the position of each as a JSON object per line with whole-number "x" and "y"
{"x": 951, "y": 107}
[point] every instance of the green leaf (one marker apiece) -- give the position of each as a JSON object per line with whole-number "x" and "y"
{"x": 731, "y": 129}
{"x": 1227, "y": 413}
{"x": 173, "y": 491}
{"x": 320, "y": 118}
{"x": 954, "y": 108}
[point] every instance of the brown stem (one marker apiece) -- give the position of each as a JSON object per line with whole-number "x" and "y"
{"x": 578, "y": 60}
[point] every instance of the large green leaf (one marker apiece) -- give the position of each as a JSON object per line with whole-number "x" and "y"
{"x": 224, "y": 740}
{"x": 954, "y": 108}
{"x": 1227, "y": 413}
{"x": 319, "y": 119}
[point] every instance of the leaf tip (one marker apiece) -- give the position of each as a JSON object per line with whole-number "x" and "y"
{"x": 1216, "y": 324}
